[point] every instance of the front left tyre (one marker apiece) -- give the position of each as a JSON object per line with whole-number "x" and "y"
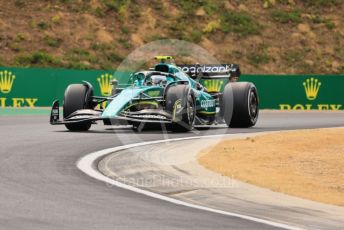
{"x": 180, "y": 103}
{"x": 77, "y": 96}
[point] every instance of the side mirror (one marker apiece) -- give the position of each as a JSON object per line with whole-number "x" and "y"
{"x": 114, "y": 84}
{"x": 199, "y": 86}
{"x": 235, "y": 74}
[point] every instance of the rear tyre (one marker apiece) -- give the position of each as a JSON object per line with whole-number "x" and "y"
{"x": 240, "y": 104}
{"x": 77, "y": 96}
{"x": 180, "y": 102}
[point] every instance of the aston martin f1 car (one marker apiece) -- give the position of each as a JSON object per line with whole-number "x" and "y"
{"x": 175, "y": 96}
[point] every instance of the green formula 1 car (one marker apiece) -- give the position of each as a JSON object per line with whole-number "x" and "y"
{"x": 178, "y": 97}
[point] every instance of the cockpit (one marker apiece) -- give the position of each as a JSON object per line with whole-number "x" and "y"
{"x": 160, "y": 75}
{"x": 148, "y": 78}
{"x": 156, "y": 80}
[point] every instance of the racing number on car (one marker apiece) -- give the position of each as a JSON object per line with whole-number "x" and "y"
{"x": 207, "y": 103}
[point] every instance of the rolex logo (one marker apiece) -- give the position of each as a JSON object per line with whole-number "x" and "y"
{"x": 312, "y": 87}
{"x": 6, "y": 81}
{"x": 104, "y": 83}
{"x": 213, "y": 85}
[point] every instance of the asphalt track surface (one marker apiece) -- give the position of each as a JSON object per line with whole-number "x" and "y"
{"x": 41, "y": 188}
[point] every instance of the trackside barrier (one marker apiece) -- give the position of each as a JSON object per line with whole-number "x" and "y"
{"x": 299, "y": 92}
{"x": 34, "y": 87}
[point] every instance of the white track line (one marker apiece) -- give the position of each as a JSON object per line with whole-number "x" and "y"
{"x": 86, "y": 165}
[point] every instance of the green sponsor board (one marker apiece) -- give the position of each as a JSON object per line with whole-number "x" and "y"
{"x": 21, "y": 87}
{"x": 293, "y": 92}
{"x": 299, "y": 92}
{"x": 34, "y": 87}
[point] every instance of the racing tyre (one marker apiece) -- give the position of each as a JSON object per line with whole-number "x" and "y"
{"x": 240, "y": 105}
{"x": 180, "y": 102}
{"x": 77, "y": 96}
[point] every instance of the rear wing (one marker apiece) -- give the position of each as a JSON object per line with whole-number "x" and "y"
{"x": 211, "y": 71}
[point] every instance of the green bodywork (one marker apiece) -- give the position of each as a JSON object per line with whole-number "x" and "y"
{"x": 205, "y": 103}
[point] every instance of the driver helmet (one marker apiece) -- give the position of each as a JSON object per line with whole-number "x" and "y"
{"x": 158, "y": 80}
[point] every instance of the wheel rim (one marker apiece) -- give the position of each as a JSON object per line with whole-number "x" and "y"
{"x": 253, "y": 105}
{"x": 190, "y": 109}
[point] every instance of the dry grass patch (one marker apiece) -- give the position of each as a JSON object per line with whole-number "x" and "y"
{"x": 307, "y": 163}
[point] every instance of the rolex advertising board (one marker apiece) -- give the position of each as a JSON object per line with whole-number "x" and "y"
{"x": 292, "y": 92}
{"x": 299, "y": 92}
{"x": 22, "y": 87}
{"x": 34, "y": 87}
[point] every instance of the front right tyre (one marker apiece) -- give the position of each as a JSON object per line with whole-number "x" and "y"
{"x": 240, "y": 105}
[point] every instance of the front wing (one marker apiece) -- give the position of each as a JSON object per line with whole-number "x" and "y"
{"x": 89, "y": 115}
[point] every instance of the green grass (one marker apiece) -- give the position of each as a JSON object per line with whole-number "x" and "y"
{"x": 211, "y": 7}
{"x": 296, "y": 59}
{"x": 125, "y": 43}
{"x": 113, "y": 57}
{"x": 286, "y": 17}
{"x": 79, "y": 52}
{"x": 53, "y": 42}
{"x": 258, "y": 59}
{"x": 155, "y": 37}
{"x": 189, "y": 7}
{"x": 99, "y": 12}
{"x": 77, "y": 65}
{"x": 116, "y": 5}
{"x": 158, "y": 5}
{"x": 259, "y": 56}
{"x": 40, "y": 58}
{"x": 15, "y": 47}
{"x": 322, "y": 3}
{"x": 104, "y": 58}
{"x": 42, "y": 25}
{"x": 19, "y": 3}
{"x": 21, "y": 37}
{"x": 56, "y": 20}
{"x": 125, "y": 30}
{"x": 97, "y": 46}
{"x": 75, "y": 58}
{"x": 135, "y": 11}
{"x": 293, "y": 57}
{"x": 193, "y": 36}
{"x": 328, "y": 23}
{"x": 240, "y": 23}
{"x": 78, "y": 58}
{"x": 341, "y": 69}
{"x": 211, "y": 27}
{"x": 77, "y": 6}
{"x": 234, "y": 54}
